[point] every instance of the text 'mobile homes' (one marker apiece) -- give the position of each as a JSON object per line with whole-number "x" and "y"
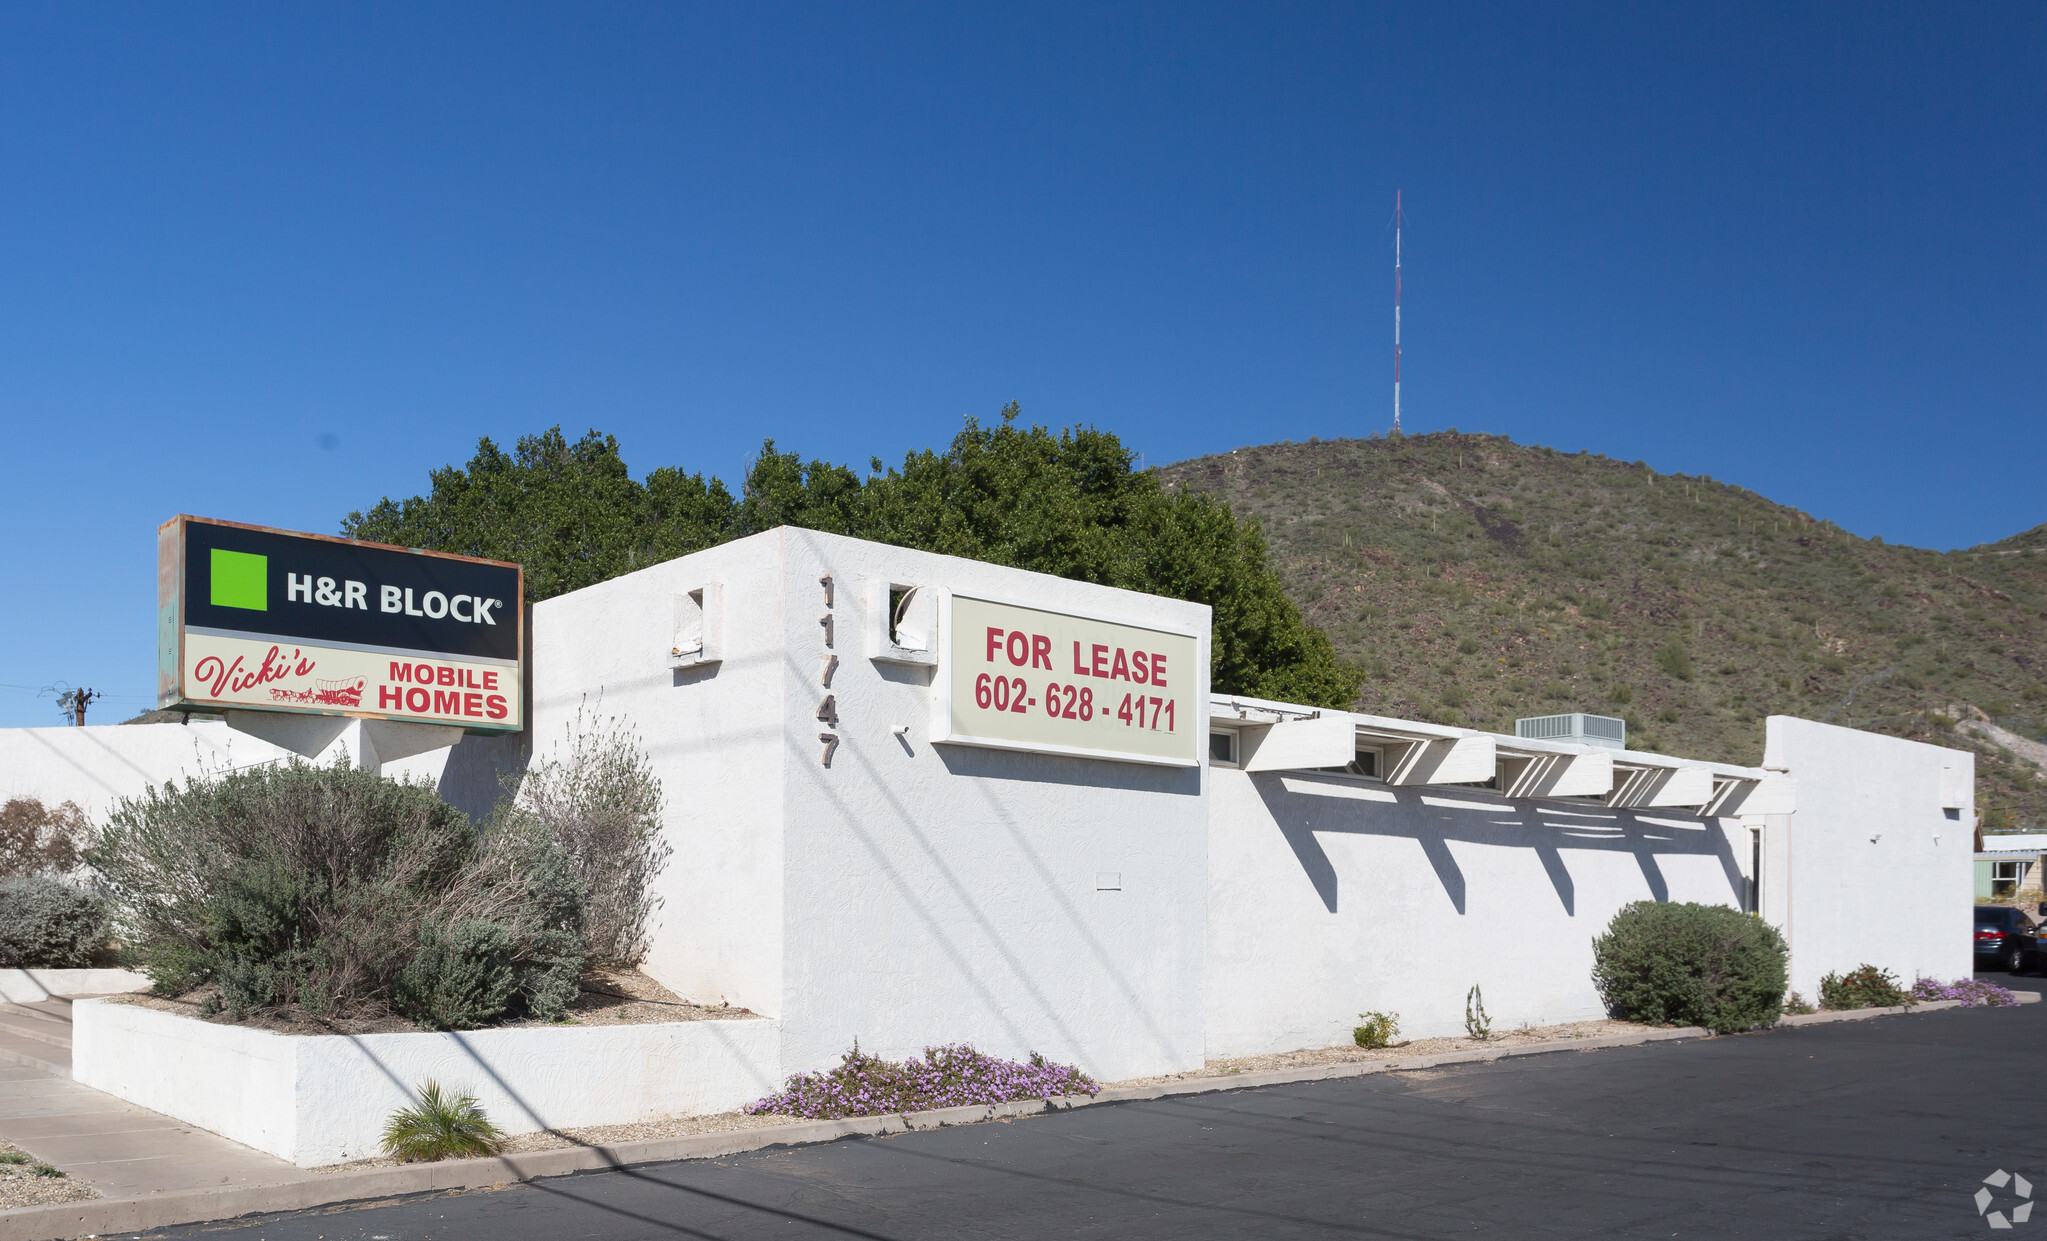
{"x": 254, "y": 618}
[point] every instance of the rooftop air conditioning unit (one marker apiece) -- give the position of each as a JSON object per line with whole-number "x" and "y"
{"x": 1577, "y": 728}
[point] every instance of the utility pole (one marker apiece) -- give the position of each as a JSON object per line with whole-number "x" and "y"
{"x": 75, "y": 701}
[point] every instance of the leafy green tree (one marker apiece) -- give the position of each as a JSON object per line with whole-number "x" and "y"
{"x": 571, "y": 513}
{"x": 1068, "y": 504}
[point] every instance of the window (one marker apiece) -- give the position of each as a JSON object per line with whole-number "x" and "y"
{"x": 1222, "y": 748}
{"x": 1365, "y": 763}
{"x": 907, "y": 623}
{"x": 1755, "y": 870}
{"x": 2005, "y": 877}
{"x": 902, "y": 622}
{"x": 699, "y": 623}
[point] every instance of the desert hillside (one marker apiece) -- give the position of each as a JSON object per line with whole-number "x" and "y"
{"x": 1476, "y": 580}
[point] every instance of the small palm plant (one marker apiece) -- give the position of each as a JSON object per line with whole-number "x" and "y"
{"x": 442, "y": 1126}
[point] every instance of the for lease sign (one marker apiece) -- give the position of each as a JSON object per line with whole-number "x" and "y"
{"x": 262, "y": 619}
{"x": 1021, "y": 678}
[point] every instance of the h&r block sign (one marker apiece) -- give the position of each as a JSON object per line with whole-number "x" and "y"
{"x": 261, "y": 619}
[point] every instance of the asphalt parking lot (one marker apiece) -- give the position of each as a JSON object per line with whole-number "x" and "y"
{"x": 1881, "y": 1129}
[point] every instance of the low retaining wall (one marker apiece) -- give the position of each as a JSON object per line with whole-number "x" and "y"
{"x": 35, "y": 986}
{"x": 324, "y": 1099}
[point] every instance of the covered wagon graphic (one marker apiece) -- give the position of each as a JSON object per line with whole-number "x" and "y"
{"x": 341, "y": 692}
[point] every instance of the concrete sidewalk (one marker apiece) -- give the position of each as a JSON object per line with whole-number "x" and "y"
{"x": 121, "y": 1150}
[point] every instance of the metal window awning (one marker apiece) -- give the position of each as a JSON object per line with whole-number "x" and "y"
{"x": 1417, "y": 753}
{"x": 1277, "y": 736}
{"x": 1532, "y": 768}
{"x": 1716, "y": 790}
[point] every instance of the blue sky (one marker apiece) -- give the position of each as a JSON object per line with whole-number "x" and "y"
{"x": 269, "y": 263}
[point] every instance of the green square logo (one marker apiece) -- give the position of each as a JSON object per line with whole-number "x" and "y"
{"x": 239, "y": 580}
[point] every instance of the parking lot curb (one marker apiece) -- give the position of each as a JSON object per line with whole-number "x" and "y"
{"x": 105, "y": 1216}
{"x": 1863, "y": 1014}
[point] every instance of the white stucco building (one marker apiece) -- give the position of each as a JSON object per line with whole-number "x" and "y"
{"x": 1245, "y": 877}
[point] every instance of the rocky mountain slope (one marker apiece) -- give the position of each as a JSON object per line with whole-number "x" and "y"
{"x": 1476, "y": 580}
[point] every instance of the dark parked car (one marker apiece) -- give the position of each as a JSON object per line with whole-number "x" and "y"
{"x": 2005, "y": 936}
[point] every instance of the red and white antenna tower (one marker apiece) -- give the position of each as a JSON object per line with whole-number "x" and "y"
{"x": 1396, "y": 310}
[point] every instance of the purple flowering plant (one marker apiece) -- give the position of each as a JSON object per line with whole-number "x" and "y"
{"x": 1972, "y": 992}
{"x": 954, "y": 1075}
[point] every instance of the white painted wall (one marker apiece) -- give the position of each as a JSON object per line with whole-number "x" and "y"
{"x": 909, "y": 894}
{"x": 325, "y": 1099}
{"x": 946, "y": 893}
{"x": 1871, "y": 867}
{"x": 716, "y": 736}
{"x": 1330, "y": 896}
{"x": 236, "y": 1082}
{"x": 98, "y": 765}
{"x": 34, "y": 986}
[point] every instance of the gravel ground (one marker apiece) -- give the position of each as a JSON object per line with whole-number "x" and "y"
{"x": 1316, "y": 1057}
{"x": 609, "y": 998}
{"x": 21, "y": 1187}
{"x": 608, "y": 1135}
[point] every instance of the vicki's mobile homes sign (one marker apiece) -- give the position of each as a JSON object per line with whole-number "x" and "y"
{"x": 254, "y": 618}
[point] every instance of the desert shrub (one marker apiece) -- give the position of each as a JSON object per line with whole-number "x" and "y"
{"x": 45, "y": 924}
{"x": 12, "y": 1158}
{"x": 1378, "y": 1029}
{"x": 461, "y": 976}
{"x": 1675, "y": 661}
{"x": 600, "y": 801}
{"x": 1687, "y": 964}
{"x": 319, "y": 889}
{"x": 35, "y": 839}
{"x": 951, "y": 1076}
{"x": 441, "y": 1125}
{"x": 1865, "y": 986}
{"x": 1476, "y": 1023}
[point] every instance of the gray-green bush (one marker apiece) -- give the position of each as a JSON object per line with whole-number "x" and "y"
{"x": 45, "y": 924}
{"x": 338, "y": 893}
{"x": 598, "y": 799}
{"x": 1686, "y": 964}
